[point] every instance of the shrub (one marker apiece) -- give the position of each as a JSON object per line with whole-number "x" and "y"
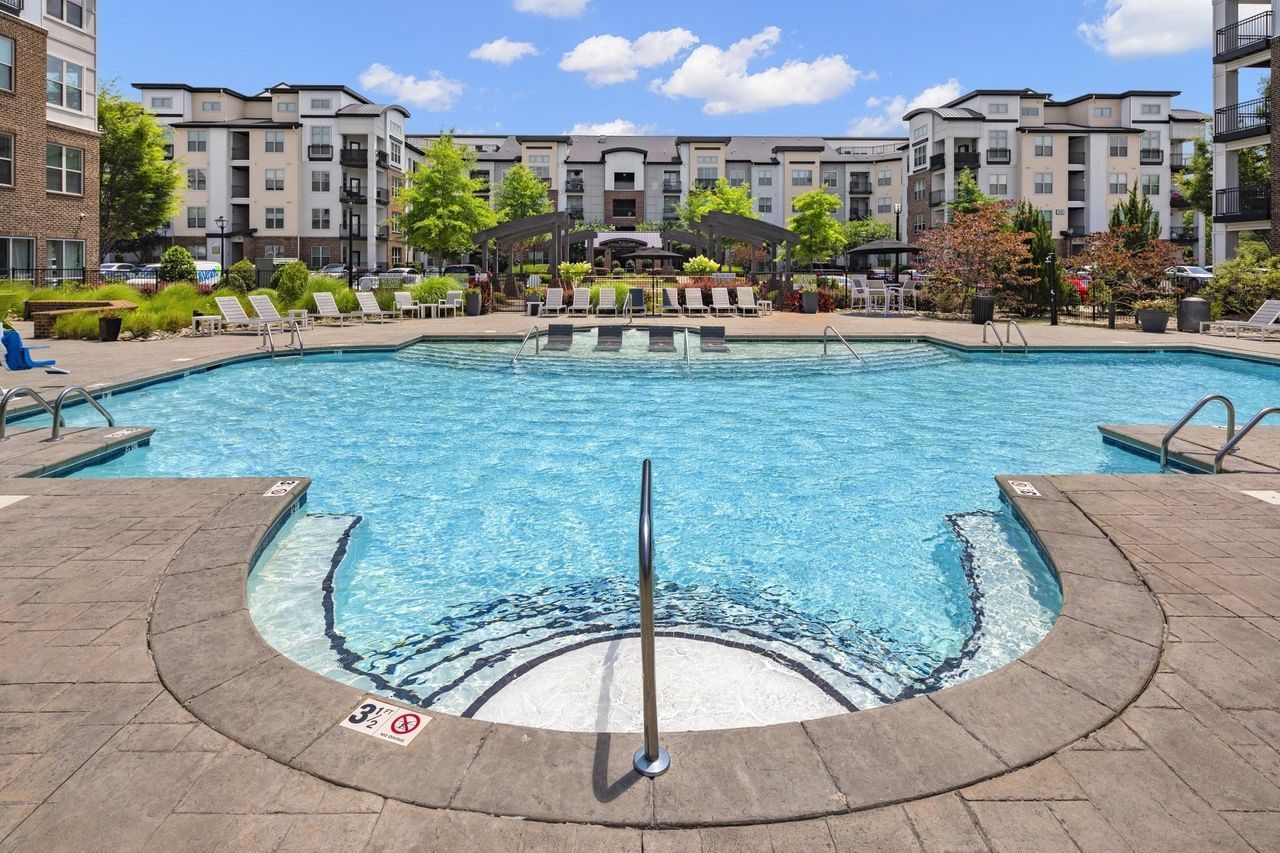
{"x": 78, "y": 326}
{"x": 795, "y": 300}
{"x": 620, "y": 297}
{"x": 574, "y": 272}
{"x": 700, "y": 265}
{"x": 242, "y": 276}
{"x": 342, "y": 295}
{"x": 291, "y": 281}
{"x": 140, "y": 323}
{"x": 1242, "y": 284}
{"x": 433, "y": 289}
{"x": 176, "y": 264}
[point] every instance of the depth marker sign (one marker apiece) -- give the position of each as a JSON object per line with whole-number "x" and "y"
{"x": 386, "y": 722}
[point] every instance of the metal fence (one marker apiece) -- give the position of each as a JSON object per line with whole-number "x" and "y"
{"x": 145, "y": 279}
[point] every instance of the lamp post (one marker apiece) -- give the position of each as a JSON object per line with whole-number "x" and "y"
{"x": 1051, "y": 270}
{"x": 221, "y": 222}
{"x": 897, "y": 221}
{"x": 351, "y": 267}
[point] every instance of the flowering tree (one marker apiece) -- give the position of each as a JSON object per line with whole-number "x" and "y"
{"x": 1127, "y": 269}
{"x": 977, "y": 249}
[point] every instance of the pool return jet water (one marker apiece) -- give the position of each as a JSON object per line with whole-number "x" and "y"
{"x": 651, "y": 759}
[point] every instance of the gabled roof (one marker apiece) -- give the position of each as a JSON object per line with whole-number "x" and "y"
{"x": 948, "y": 112}
{"x": 592, "y": 149}
{"x": 1116, "y": 96}
{"x": 1009, "y": 93}
{"x": 198, "y": 90}
{"x": 317, "y": 87}
{"x": 367, "y": 109}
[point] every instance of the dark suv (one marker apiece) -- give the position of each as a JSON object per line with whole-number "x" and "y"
{"x": 473, "y": 273}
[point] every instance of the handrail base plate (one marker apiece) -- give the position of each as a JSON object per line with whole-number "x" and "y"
{"x": 652, "y": 769}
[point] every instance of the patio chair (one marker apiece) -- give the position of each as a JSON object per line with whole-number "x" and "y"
{"x": 326, "y": 308}
{"x": 452, "y": 302}
{"x": 581, "y": 301}
{"x": 671, "y": 300}
{"x": 18, "y": 357}
{"x": 662, "y": 339}
{"x": 554, "y": 303}
{"x": 747, "y": 302}
{"x": 233, "y": 314}
{"x": 693, "y": 301}
{"x": 266, "y": 309}
{"x": 877, "y": 296}
{"x": 720, "y": 301}
{"x": 608, "y": 338}
{"x": 608, "y": 301}
{"x": 371, "y": 310}
{"x": 711, "y": 339}
{"x": 406, "y": 304}
{"x": 1262, "y": 321}
{"x": 907, "y": 290}
{"x": 559, "y": 337}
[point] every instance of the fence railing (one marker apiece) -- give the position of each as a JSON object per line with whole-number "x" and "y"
{"x": 1243, "y": 203}
{"x": 1242, "y": 36}
{"x": 145, "y": 279}
{"x": 1242, "y": 119}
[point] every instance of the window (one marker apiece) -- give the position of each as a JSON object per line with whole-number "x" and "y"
{"x": 885, "y": 178}
{"x": 196, "y": 179}
{"x": 920, "y": 132}
{"x": 1028, "y": 112}
{"x": 6, "y": 63}
{"x": 197, "y": 140}
{"x": 1151, "y": 110}
{"x": 708, "y": 160}
{"x": 319, "y": 256}
{"x": 1119, "y": 146}
{"x": 624, "y": 208}
{"x": 319, "y": 182}
{"x": 196, "y": 217}
{"x": 320, "y": 218}
{"x": 397, "y": 254}
{"x": 275, "y": 219}
{"x": 64, "y": 84}
{"x": 275, "y": 179}
{"x": 286, "y": 106}
{"x": 802, "y": 177}
{"x": 211, "y": 106}
{"x": 6, "y": 159}
{"x": 277, "y": 251}
{"x": 65, "y": 254}
{"x": 737, "y": 177}
{"x": 999, "y": 109}
{"x": 162, "y": 103}
{"x": 1044, "y": 183}
{"x": 624, "y": 180}
{"x": 919, "y": 156}
{"x": 1044, "y": 146}
{"x": 69, "y": 11}
{"x": 541, "y": 165}
{"x": 764, "y": 204}
{"x": 322, "y": 135}
{"x": 321, "y": 103}
{"x": 17, "y": 256}
{"x": 1102, "y": 112}
{"x": 64, "y": 169}
{"x": 199, "y": 253}
{"x": 1047, "y": 216}
{"x": 396, "y": 129}
{"x": 1151, "y": 185}
{"x": 918, "y": 223}
{"x": 275, "y": 141}
{"x": 918, "y": 191}
{"x": 1118, "y": 183}
{"x": 998, "y": 139}
{"x": 884, "y": 204}
{"x": 998, "y": 185}
{"x": 707, "y": 175}
{"x": 397, "y": 152}
{"x": 764, "y": 177}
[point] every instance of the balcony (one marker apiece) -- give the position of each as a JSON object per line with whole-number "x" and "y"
{"x": 1183, "y": 234}
{"x": 859, "y": 212}
{"x": 999, "y": 156}
{"x": 380, "y": 160}
{"x": 168, "y": 149}
{"x": 1242, "y": 204}
{"x": 1242, "y": 38}
{"x": 860, "y": 188}
{"x": 937, "y": 161}
{"x": 354, "y": 157}
{"x": 670, "y": 186}
{"x": 704, "y": 183}
{"x": 357, "y": 233}
{"x": 1151, "y": 156}
{"x": 573, "y": 185}
{"x": 1179, "y": 160}
{"x": 968, "y": 160}
{"x": 1076, "y": 158}
{"x": 240, "y": 190}
{"x": 355, "y": 195}
{"x": 384, "y": 233}
{"x": 1076, "y": 194}
{"x": 382, "y": 195}
{"x": 937, "y": 197}
{"x": 1243, "y": 120}
{"x": 319, "y": 152}
{"x": 1176, "y": 200}
{"x": 576, "y": 214}
{"x": 13, "y": 7}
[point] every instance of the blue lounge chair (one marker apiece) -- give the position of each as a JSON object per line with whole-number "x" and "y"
{"x": 18, "y": 357}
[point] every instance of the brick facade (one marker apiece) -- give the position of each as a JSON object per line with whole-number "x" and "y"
{"x": 27, "y": 209}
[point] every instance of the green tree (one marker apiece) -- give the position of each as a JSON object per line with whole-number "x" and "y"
{"x": 139, "y": 187}
{"x": 1254, "y": 167}
{"x": 521, "y": 195}
{"x": 1196, "y": 180}
{"x": 821, "y": 236}
{"x": 722, "y": 197}
{"x": 1038, "y": 236}
{"x": 1137, "y": 219}
{"x": 860, "y": 232}
{"x": 969, "y": 196}
{"x": 176, "y": 264}
{"x": 441, "y": 210}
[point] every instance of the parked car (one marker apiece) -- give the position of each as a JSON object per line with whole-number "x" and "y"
{"x": 408, "y": 275}
{"x": 116, "y": 271}
{"x": 1190, "y": 274}
{"x": 431, "y": 272}
{"x": 334, "y": 270}
{"x": 473, "y": 274}
{"x": 143, "y": 276}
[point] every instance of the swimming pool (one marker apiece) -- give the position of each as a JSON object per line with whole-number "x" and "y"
{"x": 470, "y": 518}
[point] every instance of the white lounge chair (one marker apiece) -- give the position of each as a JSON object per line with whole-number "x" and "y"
{"x": 747, "y": 302}
{"x": 371, "y": 310}
{"x": 554, "y": 303}
{"x": 234, "y": 315}
{"x": 406, "y": 304}
{"x": 452, "y": 302}
{"x": 693, "y": 301}
{"x": 720, "y": 301}
{"x": 1262, "y": 321}
{"x": 608, "y": 301}
{"x": 266, "y": 309}
{"x": 581, "y": 300}
{"x": 327, "y": 309}
{"x": 671, "y": 300}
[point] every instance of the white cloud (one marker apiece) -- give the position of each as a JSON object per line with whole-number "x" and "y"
{"x": 552, "y": 8}
{"x": 720, "y": 77}
{"x": 613, "y": 59}
{"x": 888, "y": 121}
{"x": 503, "y": 51}
{"x": 1130, "y": 29}
{"x": 435, "y": 93}
{"x": 617, "y": 127}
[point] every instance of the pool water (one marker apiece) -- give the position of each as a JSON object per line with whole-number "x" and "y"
{"x": 469, "y": 518}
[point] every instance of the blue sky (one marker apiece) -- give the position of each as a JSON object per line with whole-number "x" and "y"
{"x": 694, "y": 67}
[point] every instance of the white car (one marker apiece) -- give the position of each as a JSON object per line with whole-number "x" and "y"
{"x": 1199, "y": 275}
{"x": 115, "y": 271}
{"x": 408, "y": 275}
{"x": 143, "y": 276}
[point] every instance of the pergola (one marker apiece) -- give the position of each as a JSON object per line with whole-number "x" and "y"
{"x": 715, "y": 229}
{"x": 504, "y": 237}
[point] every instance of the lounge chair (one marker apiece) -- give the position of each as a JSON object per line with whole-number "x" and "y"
{"x": 371, "y": 310}
{"x": 581, "y": 300}
{"x": 671, "y": 300}
{"x": 452, "y": 302}
{"x": 554, "y": 303}
{"x": 233, "y": 315}
{"x": 747, "y": 302}
{"x": 720, "y": 301}
{"x": 1262, "y": 321}
{"x": 693, "y": 301}
{"x": 406, "y": 304}
{"x": 711, "y": 339}
{"x": 559, "y": 337}
{"x": 608, "y": 301}
{"x": 18, "y": 357}
{"x": 266, "y": 310}
{"x": 608, "y": 339}
{"x": 326, "y": 308}
{"x": 662, "y": 339}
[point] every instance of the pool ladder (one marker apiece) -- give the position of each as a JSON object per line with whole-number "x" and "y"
{"x": 651, "y": 759}
{"x": 537, "y": 337}
{"x": 1233, "y": 438}
{"x": 1010, "y": 327}
{"x": 831, "y": 330}
{"x": 295, "y": 339}
{"x": 55, "y": 411}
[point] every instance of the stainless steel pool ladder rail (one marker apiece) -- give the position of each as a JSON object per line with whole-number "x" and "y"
{"x": 75, "y": 391}
{"x": 832, "y": 330}
{"x": 295, "y": 338}
{"x": 652, "y": 759}
{"x": 1010, "y": 327}
{"x": 1238, "y": 437}
{"x": 537, "y": 346}
{"x": 13, "y": 394}
{"x": 688, "y": 365}
{"x": 1186, "y": 419}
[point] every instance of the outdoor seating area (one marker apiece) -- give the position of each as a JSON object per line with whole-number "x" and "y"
{"x": 1265, "y": 321}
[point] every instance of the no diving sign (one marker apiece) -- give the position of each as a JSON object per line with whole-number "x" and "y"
{"x": 387, "y": 722}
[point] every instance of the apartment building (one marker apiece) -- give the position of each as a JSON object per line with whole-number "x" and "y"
{"x": 48, "y": 137}
{"x": 296, "y": 171}
{"x": 1074, "y": 159}
{"x": 1245, "y": 53}
{"x": 631, "y": 181}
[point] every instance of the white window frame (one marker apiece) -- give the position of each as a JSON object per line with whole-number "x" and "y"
{"x": 197, "y": 179}
{"x": 802, "y": 177}
{"x": 320, "y": 181}
{"x": 48, "y": 253}
{"x": 319, "y": 257}
{"x": 272, "y": 215}
{"x": 64, "y": 12}
{"x": 63, "y": 170}
{"x": 56, "y": 74}
{"x": 884, "y": 178}
{"x": 1150, "y": 184}
{"x": 273, "y": 180}
{"x": 764, "y": 204}
{"x": 198, "y": 217}
{"x": 161, "y": 103}
{"x": 198, "y": 138}
{"x": 1043, "y": 183}
{"x": 999, "y": 108}
{"x": 1044, "y": 146}
{"x": 998, "y": 184}
{"x": 1102, "y": 112}
{"x": 273, "y": 142}
{"x": 11, "y": 64}
{"x": 322, "y": 103}
{"x": 1118, "y": 183}
{"x": 1117, "y": 145}
{"x": 764, "y": 177}
{"x": 7, "y": 159}
{"x": 286, "y": 106}
{"x": 321, "y": 219}
{"x": 1152, "y": 110}
{"x": 211, "y": 106}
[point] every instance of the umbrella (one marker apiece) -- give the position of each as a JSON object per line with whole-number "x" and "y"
{"x": 897, "y": 248}
{"x": 654, "y": 255}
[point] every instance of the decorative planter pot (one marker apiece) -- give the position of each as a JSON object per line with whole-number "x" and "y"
{"x": 1153, "y": 320}
{"x": 471, "y": 305}
{"x": 809, "y": 301}
{"x": 109, "y": 328}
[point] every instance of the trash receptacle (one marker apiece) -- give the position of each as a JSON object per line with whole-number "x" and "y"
{"x": 984, "y": 309}
{"x": 1192, "y": 311}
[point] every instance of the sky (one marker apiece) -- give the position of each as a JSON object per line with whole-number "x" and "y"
{"x": 805, "y": 67}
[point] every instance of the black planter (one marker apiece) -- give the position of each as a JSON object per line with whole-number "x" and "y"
{"x": 109, "y": 328}
{"x": 1153, "y": 320}
{"x": 809, "y": 301}
{"x": 471, "y": 305}
{"x": 984, "y": 309}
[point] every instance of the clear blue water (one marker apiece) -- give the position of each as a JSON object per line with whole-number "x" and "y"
{"x": 841, "y": 516}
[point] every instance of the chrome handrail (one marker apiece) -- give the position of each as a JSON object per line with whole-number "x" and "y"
{"x": 687, "y": 364}
{"x": 537, "y": 337}
{"x": 1236, "y": 439}
{"x": 651, "y": 759}
{"x": 1186, "y": 419}
{"x": 13, "y": 394}
{"x": 833, "y": 331}
{"x": 76, "y": 390}
{"x": 1013, "y": 324}
{"x": 992, "y": 326}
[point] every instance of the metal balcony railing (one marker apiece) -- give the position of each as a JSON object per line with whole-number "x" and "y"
{"x": 380, "y": 160}
{"x": 669, "y": 186}
{"x": 999, "y": 156}
{"x": 12, "y": 6}
{"x": 1243, "y": 37}
{"x": 319, "y": 152}
{"x": 1151, "y": 156}
{"x": 860, "y": 187}
{"x": 1248, "y": 118}
{"x": 360, "y": 232}
{"x": 354, "y": 157}
{"x": 1075, "y": 194}
{"x": 705, "y": 183}
{"x": 1179, "y": 160}
{"x": 356, "y": 195}
{"x": 1076, "y": 158}
{"x": 573, "y": 185}
{"x": 383, "y": 196}
{"x": 1183, "y": 234}
{"x": 937, "y": 197}
{"x": 1242, "y": 204}
{"x": 168, "y": 149}
{"x": 1176, "y": 200}
{"x": 967, "y": 160}
{"x": 937, "y": 161}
